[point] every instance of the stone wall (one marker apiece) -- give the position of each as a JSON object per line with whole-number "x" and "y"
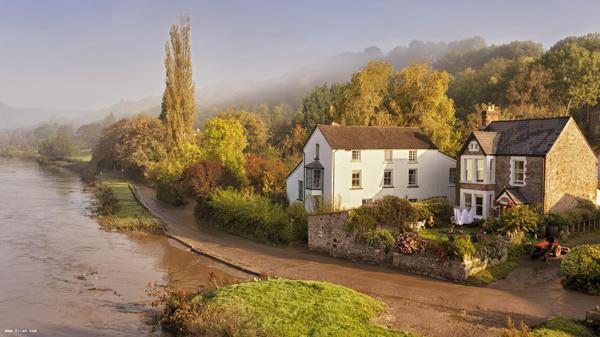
{"x": 328, "y": 233}
{"x": 534, "y": 178}
{"x": 571, "y": 171}
{"x": 447, "y": 269}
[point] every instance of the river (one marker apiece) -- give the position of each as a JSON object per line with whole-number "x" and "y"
{"x": 61, "y": 275}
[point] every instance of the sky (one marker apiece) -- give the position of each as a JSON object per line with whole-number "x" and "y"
{"x": 86, "y": 54}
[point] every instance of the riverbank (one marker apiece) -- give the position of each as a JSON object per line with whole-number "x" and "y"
{"x": 424, "y": 306}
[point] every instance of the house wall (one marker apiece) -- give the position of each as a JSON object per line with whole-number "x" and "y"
{"x": 571, "y": 171}
{"x": 291, "y": 183}
{"x": 432, "y": 171}
{"x": 534, "y": 178}
{"x": 325, "y": 158}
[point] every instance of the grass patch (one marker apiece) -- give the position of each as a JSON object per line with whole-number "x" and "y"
{"x": 440, "y": 234}
{"x": 130, "y": 216}
{"x": 493, "y": 273}
{"x": 563, "y": 327}
{"x": 285, "y": 308}
{"x": 80, "y": 158}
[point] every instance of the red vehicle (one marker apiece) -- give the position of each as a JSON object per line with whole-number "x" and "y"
{"x": 547, "y": 248}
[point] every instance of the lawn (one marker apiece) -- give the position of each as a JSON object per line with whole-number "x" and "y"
{"x": 439, "y": 234}
{"x": 286, "y": 308}
{"x": 131, "y": 215}
{"x": 563, "y": 327}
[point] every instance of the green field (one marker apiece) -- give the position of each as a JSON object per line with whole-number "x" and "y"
{"x": 286, "y": 308}
{"x": 131, "y": 216}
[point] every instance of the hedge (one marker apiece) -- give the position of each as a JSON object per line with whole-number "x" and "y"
{"x": 582, "y": 269}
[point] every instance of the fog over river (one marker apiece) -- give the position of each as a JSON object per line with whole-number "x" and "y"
{"x": 61, "y": 275}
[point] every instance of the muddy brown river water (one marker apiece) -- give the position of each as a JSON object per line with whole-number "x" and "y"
{"x": 61, "y": 275}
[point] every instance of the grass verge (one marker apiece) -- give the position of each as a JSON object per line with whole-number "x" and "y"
{"x": 556, "y": 327}
{"x": 130, "y": 215}
{"x": 279, "y": 307}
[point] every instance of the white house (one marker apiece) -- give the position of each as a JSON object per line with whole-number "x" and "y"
{"x": 347, "y": 166}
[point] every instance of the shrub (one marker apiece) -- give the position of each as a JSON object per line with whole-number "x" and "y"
{"x": 108, "y": 203}
{"x": 519, "y": 218}
{"x": 559, "y": 220}
{"x": 266, "y": 175}
{"x": 422, "y": 210}
{"x": 461, "y": 246}
{"x": 247, "y": 213}
{"x": 363, "y": 218}
{"x": 380, "y": 238}
{"x": 440, "y": 209}
{"x": 410, "y": 243}
{"x": 58, "y": 147}
{"x": 299, "y": 218}
{"x": 582, "y": 269}
{"x": 202, "y": 178}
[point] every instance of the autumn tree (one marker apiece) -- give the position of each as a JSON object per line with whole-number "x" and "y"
{"x": 418, "y": 98}
{"x": 178, "y": 102}
{"x": 58, "y": 146}
{"x": 266, "y": 175}
{"x": 528, "y": 94}
{"x": 203, "y": 177}
{"x": 255, "y": 128}
{"x": 224, "y": 140}
{"x": 364, "y": 95}
{"x": 319, "y": 105}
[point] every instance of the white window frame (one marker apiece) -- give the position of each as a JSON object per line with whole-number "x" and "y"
{"x": 391, "y": 182}
{"x": 468, "y": 205}
{"x": 452, "y": 176}
{"x": 412, "y": 156}
{"x": 416, "y": 175}
{"x": 300, "y": 190}
{"x": 478, "y": 206}
{"x": 480, "y": 173}
{"x": 356, "y": 155}
{"x": 513, "y": 173}
{"x": 359, "y": 172}
{"x": 468, "y": 165}
{"x": 388, "y": 156}
{"x": 474, "y": 146}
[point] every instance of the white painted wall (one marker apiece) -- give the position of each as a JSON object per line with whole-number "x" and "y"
{"x": 291, "y": 183}
{"x": 433, "y": 169}
{"x": 325, "y": 158}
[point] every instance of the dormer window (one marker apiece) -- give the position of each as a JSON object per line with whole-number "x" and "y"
{"x": 474, "y": 146}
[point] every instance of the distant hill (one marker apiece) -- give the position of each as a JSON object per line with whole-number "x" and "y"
{"x": 13, "y": 118}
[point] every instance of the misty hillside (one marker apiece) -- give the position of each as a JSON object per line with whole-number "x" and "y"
{"x": 12, "y": 118}
{"x": 291, "y": 88}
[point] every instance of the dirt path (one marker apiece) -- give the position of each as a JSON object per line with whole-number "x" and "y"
{"x": 428, "y": 307}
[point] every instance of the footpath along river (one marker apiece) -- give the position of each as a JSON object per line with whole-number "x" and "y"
{"x": 61, "y": 275}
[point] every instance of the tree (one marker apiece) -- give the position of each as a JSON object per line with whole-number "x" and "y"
{"x": 576, "y": 74}
{"x": 255, "y": 128}
{"x": 318, "y": 106}
{"x": 178, "y": 102}
{"x": 224, "y": 140}
{"x": 131, "y": 144}
{"x": 58, "y": 146}
{"x": 88, "y": 135}
{"x": 266, "y": 175}
{"x": 203, "y": 177}
{"x": 528, "y": 94}
{"x": 363, "y": 97}
{"x": 418, "y": 98}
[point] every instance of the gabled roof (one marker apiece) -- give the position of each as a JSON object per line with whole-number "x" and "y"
{"x": 516, "y": 195}
{"x": 527, "y": 137}
{"x": 315, "y": 165}
{"x": 488, "y": 141}
{"x": 374, "y": 137}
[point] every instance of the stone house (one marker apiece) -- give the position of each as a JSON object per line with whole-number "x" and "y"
{"x": 545, "y": 162}
{"x": 347, "y": 166}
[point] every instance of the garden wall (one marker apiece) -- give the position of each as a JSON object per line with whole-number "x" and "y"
{"x": 328, "y": 233}
{"x": 447, "y": 269}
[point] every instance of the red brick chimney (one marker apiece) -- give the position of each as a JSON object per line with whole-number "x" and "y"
{"x": 489, "y": 115}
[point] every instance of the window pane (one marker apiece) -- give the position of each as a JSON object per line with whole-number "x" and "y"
{"x": 355, "y": 155}
{"x": 479, "y": 205}
{"x": 317, "y": 179}
{"x": 412, "y": 176}
{"x": 468, "y": 201}
{"x": 452, "y": 175}
{"x": 412, "y": 155}
{"x": 355, "y": 178}
{"x": 300, "y": 190}
{"x": 387, "y": 178}
{"x": 469, "y": 169}
{"x": 479, "y": 163}
{"x": 387, "y": 154}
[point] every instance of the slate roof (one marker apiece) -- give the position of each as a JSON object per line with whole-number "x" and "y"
{"x": 516, "y": 195}
{"x": 527, "y": 137}
{"x": 315, "y": 165}
{"x": 375, "y": 137}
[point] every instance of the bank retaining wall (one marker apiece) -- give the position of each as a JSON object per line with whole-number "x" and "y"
{"x": 328, "y": 233}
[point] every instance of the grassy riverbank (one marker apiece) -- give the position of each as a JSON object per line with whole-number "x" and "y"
{"x": 278, "y": 307}
{"x": 128, "y": 215}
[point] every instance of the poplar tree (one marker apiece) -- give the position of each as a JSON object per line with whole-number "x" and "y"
{"x": 178, "y": 102}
